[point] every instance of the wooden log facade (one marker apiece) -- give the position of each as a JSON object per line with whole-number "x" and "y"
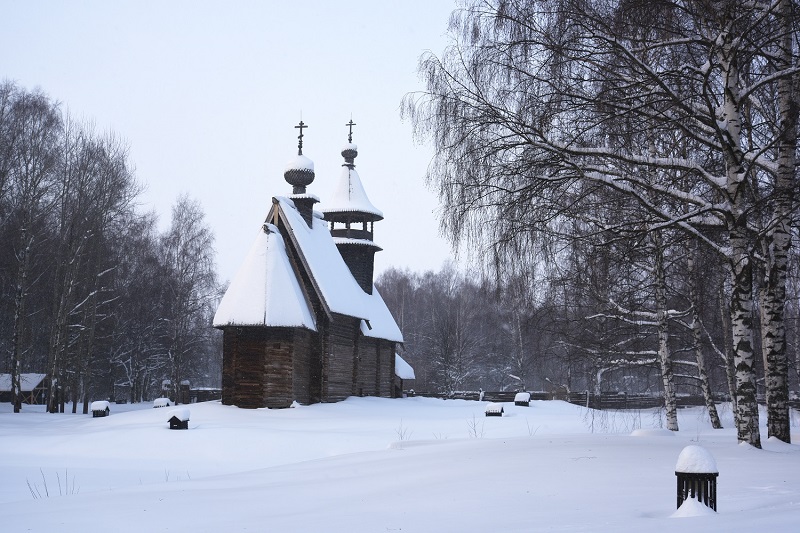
{"x": 273, "y": 367}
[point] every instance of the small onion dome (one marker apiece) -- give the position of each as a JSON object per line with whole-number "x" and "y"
{"x": 349, "y": 152}
{"x": 299, "y": 173}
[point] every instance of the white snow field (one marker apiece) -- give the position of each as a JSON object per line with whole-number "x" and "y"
{"x": 377, "y": 465}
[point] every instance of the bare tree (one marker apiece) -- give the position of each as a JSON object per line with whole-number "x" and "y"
{"x": 97, "y": 188}
{"x": 190, "y": 279}
{"x": 537, "y": 106}
{"x": 30, "y": 152}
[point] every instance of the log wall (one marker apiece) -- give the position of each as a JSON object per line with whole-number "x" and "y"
{"x": 366, "y": 376}
{"x": 341, "y": 336}
{"x": 360, "y": 259}
{"x": 386, "y": 352}
{"x": 257, "y": 367}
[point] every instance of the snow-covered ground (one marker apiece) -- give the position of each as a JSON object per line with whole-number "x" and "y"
{"x": 377, "y": 465}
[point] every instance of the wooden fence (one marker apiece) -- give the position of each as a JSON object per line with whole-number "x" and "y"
{"x": 603, "y": 401}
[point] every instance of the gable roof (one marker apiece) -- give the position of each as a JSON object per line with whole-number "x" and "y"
{"x": 335, "y": 285}
{"x": 331, "y": 277}
{"x": 27, "y": 382}
{"x": 265, "y": 290}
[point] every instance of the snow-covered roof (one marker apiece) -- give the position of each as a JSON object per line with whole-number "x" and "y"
{"x": 522, "y": 397}
{"x": 162, "y": 402}
{"x": 265, "y": 290}
{"x": 494, "y": 408}
{"x": 180, "y": 414}
{"x": 27, "y": 382}
{"x": 695, "y": 459}
{"x": 350, "y": 196}
{"x": 381, "y": 322}
{"x": 305, "y": 196}
{"x": 402, "y": 369}
{"x": 99, "y": 405}
{"x": 335, "y": 284}
{"x": 360, "y": 242}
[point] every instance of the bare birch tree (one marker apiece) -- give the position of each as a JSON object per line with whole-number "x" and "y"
{"x": 190, "y": 279}
{"x": 542, "y": 103}
{"x": 31, "y": 146}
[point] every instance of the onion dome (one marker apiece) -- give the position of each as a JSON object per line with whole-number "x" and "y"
{"x": 299, "y": 172}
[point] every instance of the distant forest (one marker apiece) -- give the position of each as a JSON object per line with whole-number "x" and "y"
{"x": 90, "y": 292}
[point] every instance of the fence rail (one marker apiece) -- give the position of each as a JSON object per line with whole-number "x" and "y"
{"x": 601, "y": 401}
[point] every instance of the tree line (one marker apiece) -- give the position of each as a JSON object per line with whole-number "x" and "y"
{"x": 585, "y": 321}
{"x": 91, "y": 293}
{"x": 639, "y": 138}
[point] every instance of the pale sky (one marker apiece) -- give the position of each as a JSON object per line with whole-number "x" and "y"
{"x": 207, "y": 95}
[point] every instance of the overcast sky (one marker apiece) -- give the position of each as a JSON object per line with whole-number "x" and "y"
{"x": 207, "y": 95}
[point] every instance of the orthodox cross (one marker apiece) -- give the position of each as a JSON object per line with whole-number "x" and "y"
{"x": 300, "y": 137}
{"x": 350, "y": 135}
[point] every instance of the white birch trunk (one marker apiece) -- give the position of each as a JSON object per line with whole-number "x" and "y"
{"x": 664, "y": 355}
{"x": 730, "y": 120}
{"x": 705, "y": 387}
{"x": 727, "y": 348}
{"x": 779, "y": 239}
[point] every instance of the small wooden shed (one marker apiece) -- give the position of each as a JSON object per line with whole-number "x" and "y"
{"x": 494, "y": 409}
{"x": 522, "y": 399}
{"x": 100, "y": 408}
{"x": 179, "y": 419}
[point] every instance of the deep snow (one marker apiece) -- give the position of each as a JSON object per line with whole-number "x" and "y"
{"x": 374, "y": 465}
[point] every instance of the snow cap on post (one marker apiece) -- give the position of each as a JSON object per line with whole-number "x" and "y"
{"x": 696, "y": 460}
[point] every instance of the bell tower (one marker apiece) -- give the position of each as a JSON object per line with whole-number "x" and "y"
{"x": 351, "y": 218}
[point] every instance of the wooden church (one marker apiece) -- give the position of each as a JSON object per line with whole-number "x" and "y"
{"x": 302, "y": 320}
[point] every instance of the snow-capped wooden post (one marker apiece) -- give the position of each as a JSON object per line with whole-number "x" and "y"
{"x": 179, "y": 419}
{"x": 697, "y": 476}
{"x": 100, "y": 408}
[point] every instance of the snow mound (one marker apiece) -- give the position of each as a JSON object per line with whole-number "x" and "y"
{"x": 180, "y": 414}
{"x": 691, "y": 507}
{"x": 777, "y": 445}
{"x": 655, "y": 432}
{"x": 696, "y": 460}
